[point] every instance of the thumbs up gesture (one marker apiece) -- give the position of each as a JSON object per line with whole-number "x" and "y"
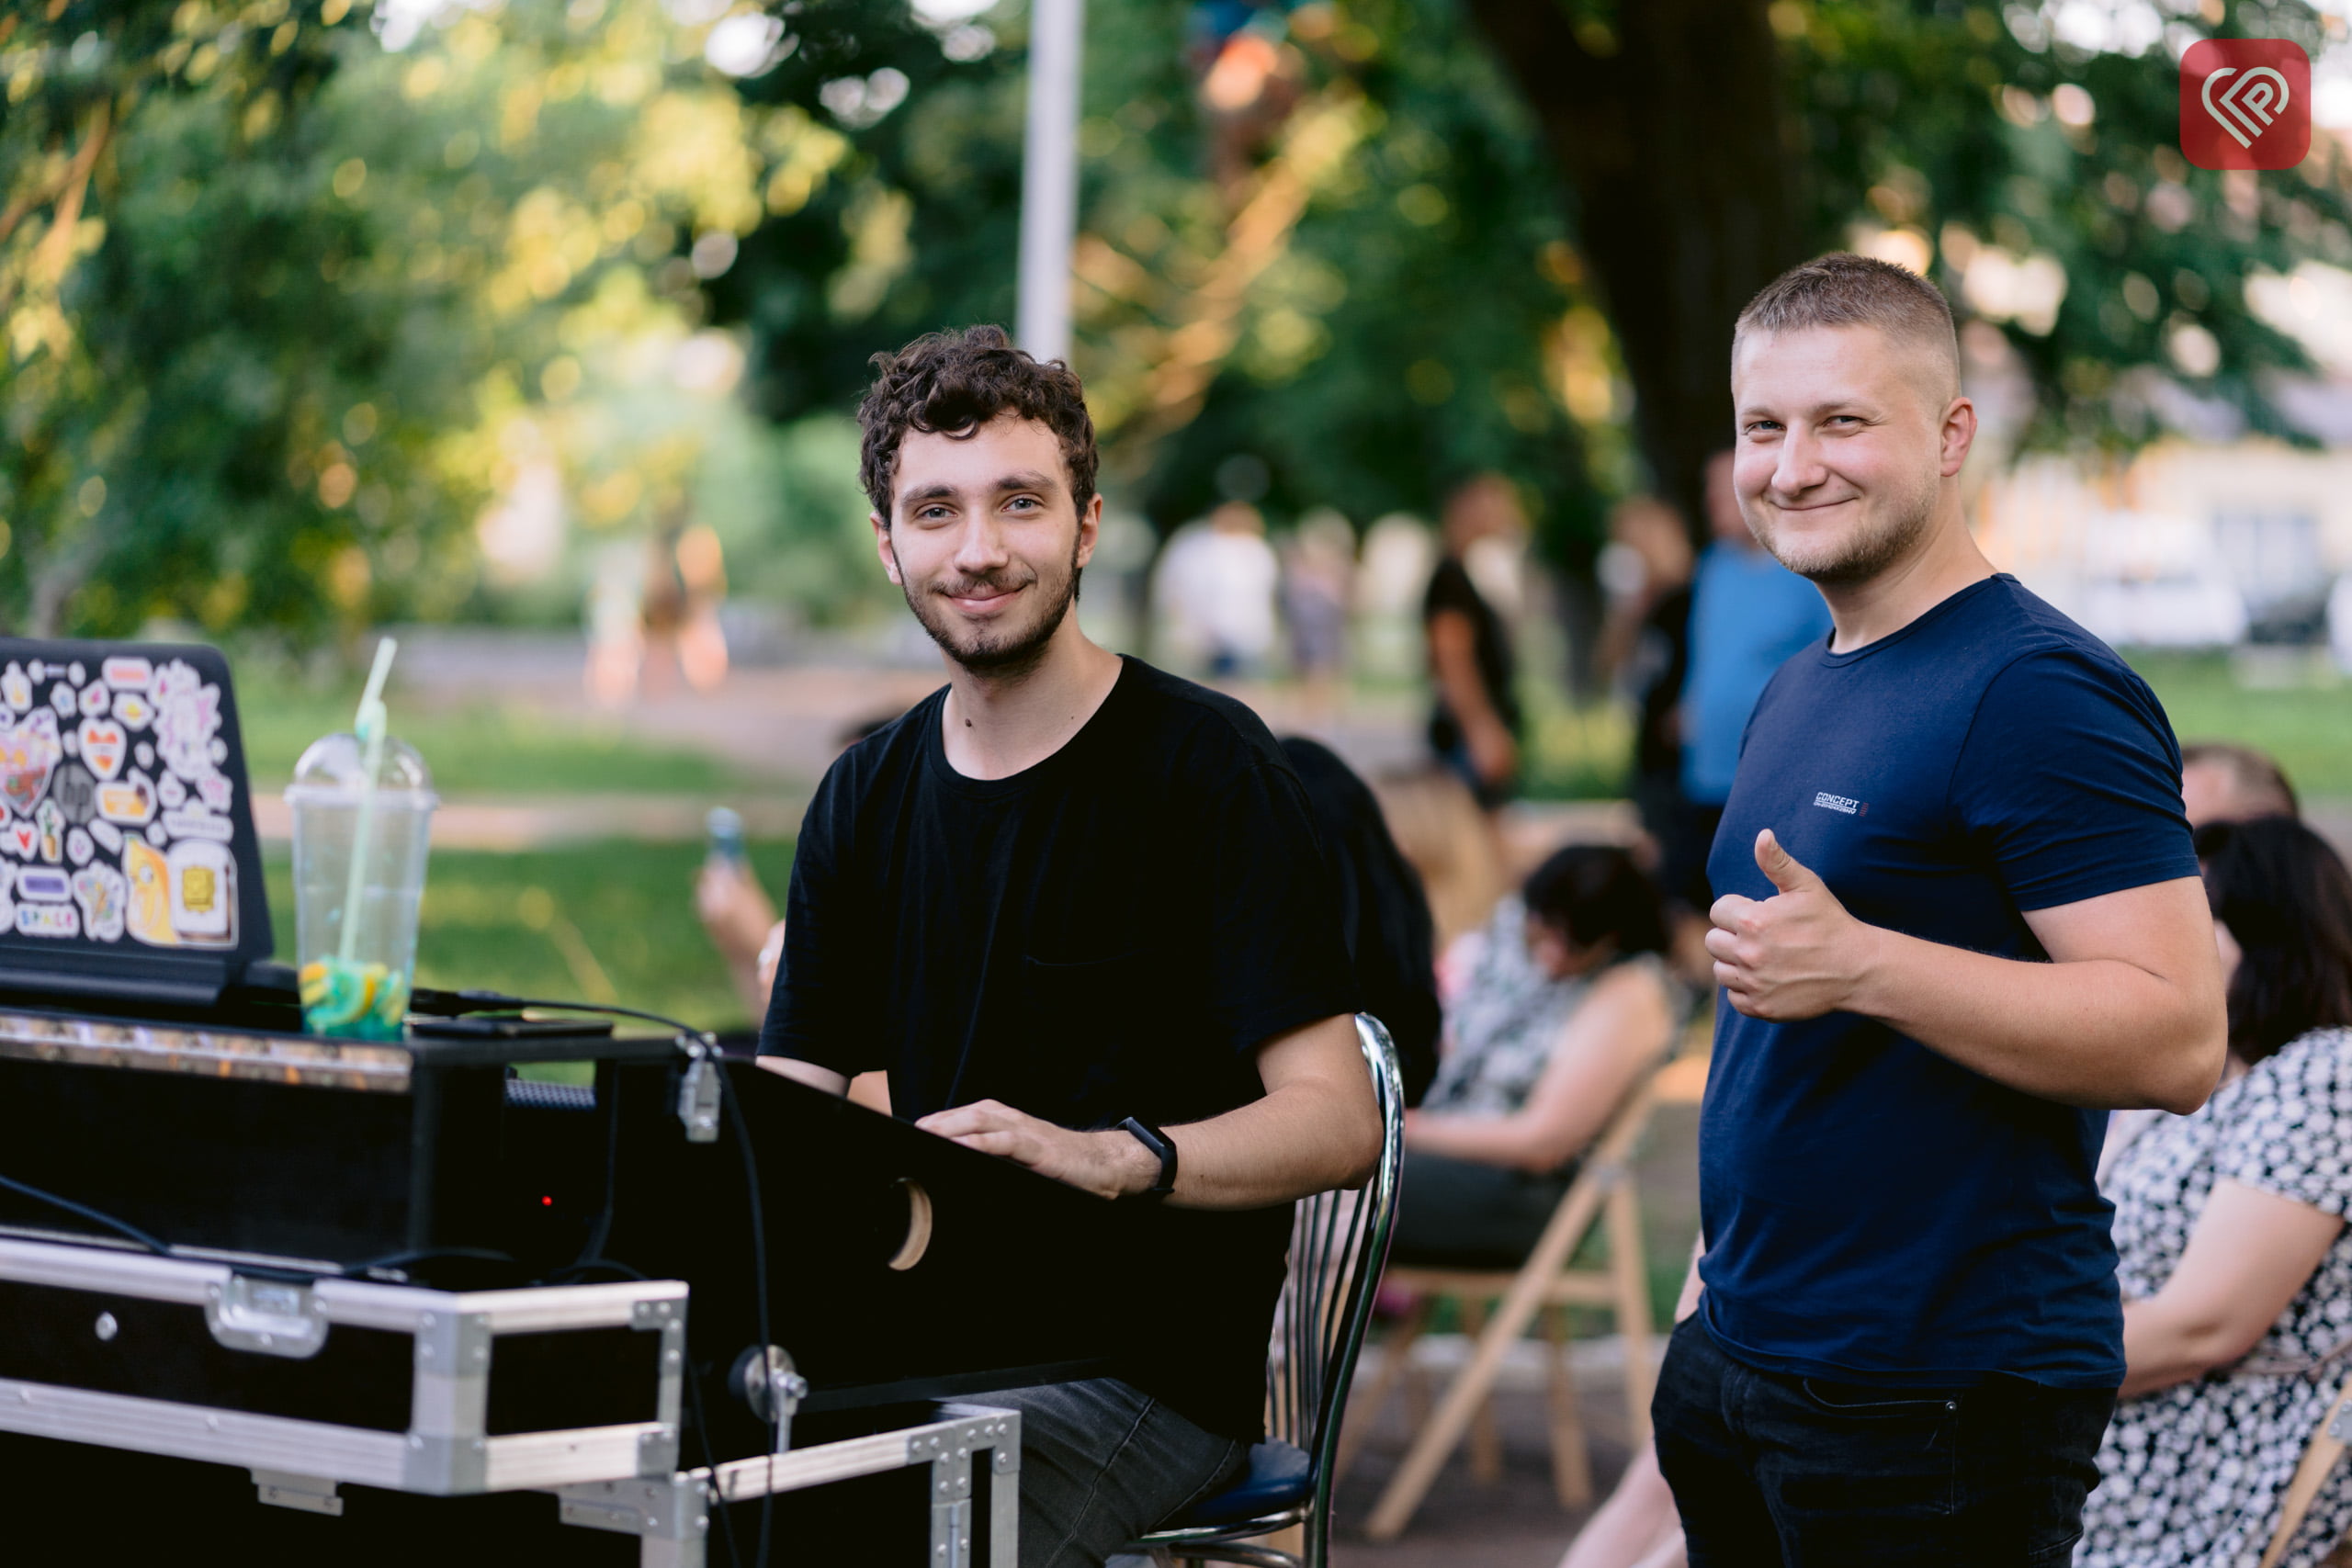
{"x": 1797, "y": 955}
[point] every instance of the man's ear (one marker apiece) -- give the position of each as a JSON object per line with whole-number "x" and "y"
{"x": 882, "y": 547}
{"x": 1090, "y": 528}
{"x": 1959, "y": 434}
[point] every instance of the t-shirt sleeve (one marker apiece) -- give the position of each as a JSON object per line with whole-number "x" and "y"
{"x": 1450, "y": 589}
{"x": 2069, "y": 782}
{"x": 1276, "y": 957}
{"x": 812, "y": 1010}
{"x": 2290, "y": 1124}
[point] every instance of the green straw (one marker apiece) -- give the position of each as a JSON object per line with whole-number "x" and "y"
{"x": 368, "y": 727}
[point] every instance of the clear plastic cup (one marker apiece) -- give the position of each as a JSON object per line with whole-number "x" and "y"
{"x": 358, "y": 992}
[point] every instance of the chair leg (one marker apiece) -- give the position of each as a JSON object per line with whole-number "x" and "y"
{"x": 1485, "y": 1438}
{"x": 1629, "y": 1275}
{"x": 1571, "y": 1461}
{"x": 1395, "y": 1363}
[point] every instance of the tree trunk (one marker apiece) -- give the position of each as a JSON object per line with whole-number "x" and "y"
{"x": 1672, "y": 144}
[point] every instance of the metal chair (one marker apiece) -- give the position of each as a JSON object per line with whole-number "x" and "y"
{"x": 1338, "y": 1244}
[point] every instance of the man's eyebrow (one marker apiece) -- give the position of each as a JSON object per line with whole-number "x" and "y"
{"x": 1028, "y": 478}
{"x": 921, "y": 493}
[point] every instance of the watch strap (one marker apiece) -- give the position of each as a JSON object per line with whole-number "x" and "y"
{"x": 1161, "y": 1145}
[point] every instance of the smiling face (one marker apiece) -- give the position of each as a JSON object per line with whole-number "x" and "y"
{"x": 986, "y": 542}
{"x": 1847, "y": 440}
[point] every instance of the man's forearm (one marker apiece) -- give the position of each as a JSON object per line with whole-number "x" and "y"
{"x": 1301, "y": 1138}
{"x": 2099, "y": 1032}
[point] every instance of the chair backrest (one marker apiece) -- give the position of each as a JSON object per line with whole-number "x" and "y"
{"x": 1338, "y": 1246}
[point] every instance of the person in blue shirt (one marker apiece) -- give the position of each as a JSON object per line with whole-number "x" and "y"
{"x": 1960, "y": 920}
{"x": 1748, "y": 614}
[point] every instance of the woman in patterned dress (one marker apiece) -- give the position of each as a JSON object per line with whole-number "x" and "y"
{"x": 1551, "y": 1013}
{"x": 2234, "y": 1259}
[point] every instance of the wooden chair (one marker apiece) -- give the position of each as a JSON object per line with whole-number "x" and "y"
{"x": 2327, "y": 1447}
{"x": 1497, "y": 1308}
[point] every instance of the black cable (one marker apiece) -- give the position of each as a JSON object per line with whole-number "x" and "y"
{"x": 485, "y": 1000}
{"x": 95, "y": 1216}
{"x": 759, "y": 1289}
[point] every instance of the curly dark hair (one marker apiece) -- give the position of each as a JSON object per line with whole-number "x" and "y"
{"x": 952, "y": 383}
{"x": 2287, "y": 898}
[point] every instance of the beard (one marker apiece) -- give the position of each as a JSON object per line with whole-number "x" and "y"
{"x": 999, "y": 650}
{"x": 1873, "y": 543}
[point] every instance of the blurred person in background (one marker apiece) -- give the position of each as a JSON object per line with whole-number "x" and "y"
{"x": 1748, "y": 614}
{"x": 1214, "y": 591}
{"x": 2222, "y": 781}
{"x": 1318, "y": 588}
{"x": 1438, "y": 826}
{"x": 1475, "y": 722}
{"x": 1384, "y": 915}
{"x": 1646, "y": 651}
{"x": 2231, "y": 1245}
{"x": 1555, "y": 1009}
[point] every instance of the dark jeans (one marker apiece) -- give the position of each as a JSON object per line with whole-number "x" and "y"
{"x": 1776, "y": 1472}
{"x": 1102, "y": 1463}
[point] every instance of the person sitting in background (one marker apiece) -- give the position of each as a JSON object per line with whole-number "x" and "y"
{"x": 1562, "y": 1006}
{"x": 1446, "y": 839}
{"x": 2232, "y": 1250}
{"x": 1384, "y": 913}
{"x": 2221, "y": 782}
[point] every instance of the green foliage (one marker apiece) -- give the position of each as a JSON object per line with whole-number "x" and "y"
{"x": 1400, "y": 335}
{"x": 310, "y": 305}
{"x": 1978, "y": 128}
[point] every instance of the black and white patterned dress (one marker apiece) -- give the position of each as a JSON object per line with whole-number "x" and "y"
{"x": 2192, "y": 1476}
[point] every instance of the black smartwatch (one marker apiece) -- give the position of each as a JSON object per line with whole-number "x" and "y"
{"x": 1159, "y": 1144}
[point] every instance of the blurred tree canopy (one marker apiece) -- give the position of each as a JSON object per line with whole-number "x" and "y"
{"x": 321, "y": 312}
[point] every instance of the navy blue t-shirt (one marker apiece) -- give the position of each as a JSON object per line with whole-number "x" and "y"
{"x": 1876, "y": 1212}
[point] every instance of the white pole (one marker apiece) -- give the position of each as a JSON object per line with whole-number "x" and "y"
{"x": 1049, "y": 176}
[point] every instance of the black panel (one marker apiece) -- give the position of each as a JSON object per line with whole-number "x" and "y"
{"x": 361, "y": 1376}
{"x": 559, "y": 1382}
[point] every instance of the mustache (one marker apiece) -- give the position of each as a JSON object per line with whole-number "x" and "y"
{"x": 961, "y": 587}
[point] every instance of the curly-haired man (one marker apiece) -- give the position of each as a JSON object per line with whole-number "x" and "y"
{"x": 1076, "y": 909}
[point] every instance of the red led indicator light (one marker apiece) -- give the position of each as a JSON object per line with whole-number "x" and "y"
{"x": 546, "y": 1203}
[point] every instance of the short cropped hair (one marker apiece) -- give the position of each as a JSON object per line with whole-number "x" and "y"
{"x": 1842, "y": 289}
{"x": 2255, "y": 776}
{"x": 952, "y": 383}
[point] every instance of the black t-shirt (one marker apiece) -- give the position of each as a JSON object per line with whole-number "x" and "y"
{"x": 1659, "y": 668}
{"x": 1384, "y": 911}
{"x": 1450, "y": 588}
{"x": 1110, "y": 933}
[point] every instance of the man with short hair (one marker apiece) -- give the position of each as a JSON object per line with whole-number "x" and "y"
{"x": 1076, "y": 909}
{"x": 1961, "y": 916}
{"x": 2222, "y": 781}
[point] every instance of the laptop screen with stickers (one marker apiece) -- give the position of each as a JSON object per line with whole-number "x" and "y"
{"x": 128, "y": 864}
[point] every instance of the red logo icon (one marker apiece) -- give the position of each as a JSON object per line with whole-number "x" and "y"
{"x": 2246, "y": 102}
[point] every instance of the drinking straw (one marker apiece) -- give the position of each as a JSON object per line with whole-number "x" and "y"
{"x": 368, "y": 729}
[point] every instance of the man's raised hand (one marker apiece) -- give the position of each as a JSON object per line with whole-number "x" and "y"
{"x": 1797, "y": 955}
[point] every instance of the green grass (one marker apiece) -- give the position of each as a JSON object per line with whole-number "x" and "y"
{"x": 482, "y": 749}
{"x": 547, "y": 923}
{"x": 2308, "y": 728}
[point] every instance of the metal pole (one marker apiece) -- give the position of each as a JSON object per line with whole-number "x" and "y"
{"x": 1049, "y": 176}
